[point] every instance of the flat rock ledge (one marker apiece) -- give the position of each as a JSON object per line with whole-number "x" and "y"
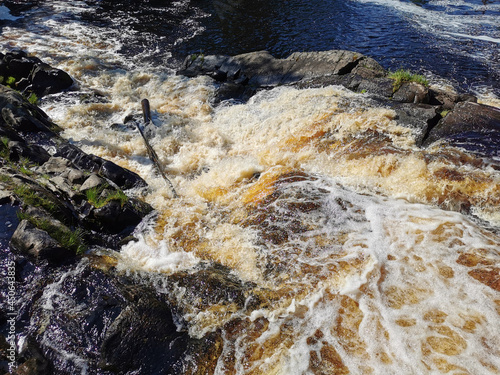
{"x": 418, "y": 107}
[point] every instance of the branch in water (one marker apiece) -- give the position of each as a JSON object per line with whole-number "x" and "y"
{"x": 151, "y": 152}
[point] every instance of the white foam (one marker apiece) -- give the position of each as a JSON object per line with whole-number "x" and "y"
{"x": 140, "y": 255}
{"x": 441, "y": 18}
{"x": 477, "y": 37}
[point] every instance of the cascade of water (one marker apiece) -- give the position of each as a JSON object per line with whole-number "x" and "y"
{"x": 358, "y": 252}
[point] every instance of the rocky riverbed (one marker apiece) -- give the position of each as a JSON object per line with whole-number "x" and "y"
{"x": 65, "y": 213}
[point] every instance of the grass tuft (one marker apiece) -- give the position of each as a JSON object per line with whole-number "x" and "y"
{"x": 69, "y": 239}
{"x": 33, "y": 99}
{"x": 32, "y": 197}
{"x": 96, "y": 198}
{"x": 10, "y": 81}
{"x": 401, "y": 76}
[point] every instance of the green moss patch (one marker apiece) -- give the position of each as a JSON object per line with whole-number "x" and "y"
{"x": 401, "y": 76}
{"x": 69, "y": 239}
{"x": 101, "y": 195}
{"x": 32, "y": 197}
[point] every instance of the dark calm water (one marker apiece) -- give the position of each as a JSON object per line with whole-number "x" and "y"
{"x": 458, "y": 40}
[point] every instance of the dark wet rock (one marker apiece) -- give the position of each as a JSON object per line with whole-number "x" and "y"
{"x": 8, "y": 219}
{"x": 122, "y": 177}
{"x": 420, "y": 118}
{"x": 411, "y": 92}
{"x": 88, "y": 318}
{"x": 33, "y": 361}
{"x": 31, "y": 75}
{"x": 47, "y": 80}
{"x": 143, "y": 337}
{"x": 29, "y": 240}
{"x": 377, "y": 86}
{"x": 210, "y": 285}
{"x": 471, "y": 123}
{"x": 115, "y": 217}
{"x": 18, "y": 115}
{"x": 447, "y": 98}
{"x": 242, "y": 75}
{"x": 34, "y": 153}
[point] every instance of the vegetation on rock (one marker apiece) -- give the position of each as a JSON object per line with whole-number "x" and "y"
{"x": 401, "y": 76}
{"x": 69, "y": 239}
{"x": 101, "y": 195}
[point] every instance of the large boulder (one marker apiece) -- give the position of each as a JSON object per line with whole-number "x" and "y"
{"x": 48, "y": 80}
{"x": 241, "y": 75}
{"x": 122, "y": 177}
{"x": 93, "y": 320}
{"x": 473, "y": 126}
{"x": 37, "y": 243}
{"x": 31, "y": 75}
{"x": 20, "y": 116}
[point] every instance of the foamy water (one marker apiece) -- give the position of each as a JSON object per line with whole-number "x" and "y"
{"x": 355, "y": 241}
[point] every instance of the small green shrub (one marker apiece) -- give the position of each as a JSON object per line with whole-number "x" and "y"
{"x": 33, "y": 99}
{"x": 95, "y": 196}
{"x": 401, "y": 76}
{"x": 10, "y": 81}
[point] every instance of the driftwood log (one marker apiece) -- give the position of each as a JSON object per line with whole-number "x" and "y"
{"x": 151, "y": 152}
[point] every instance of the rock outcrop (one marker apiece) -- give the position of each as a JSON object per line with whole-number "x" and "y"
{"x": 31, "y": 75}
{"x": 418, "y": 107}
{"x": 242, "y": 75}
{"x": 472, "y": 125}
{"x": 40, "y": 169}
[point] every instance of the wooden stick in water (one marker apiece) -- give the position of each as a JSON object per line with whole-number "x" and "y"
{"x": 151, "y": 152}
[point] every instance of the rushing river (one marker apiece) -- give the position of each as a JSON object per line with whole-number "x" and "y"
{"x": 374, "y": 256}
